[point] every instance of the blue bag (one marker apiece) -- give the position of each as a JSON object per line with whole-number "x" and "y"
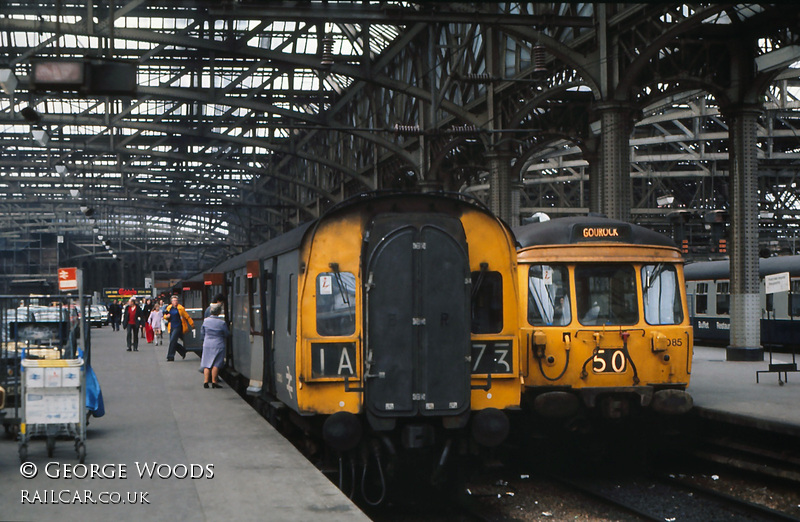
{"x": 94, "y": 395}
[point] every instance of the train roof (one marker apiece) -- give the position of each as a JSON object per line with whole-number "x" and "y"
{"x": 283, "y": 243}
{"x": 711, "y": 270}
{"x": 293, "y": 239}
{"x": 584, "y": 229}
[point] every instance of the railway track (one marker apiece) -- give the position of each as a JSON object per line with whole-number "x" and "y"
{"x": 768, "y": 453}
{"x": 670, "y": 499}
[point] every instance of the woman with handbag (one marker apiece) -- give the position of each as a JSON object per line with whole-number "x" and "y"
{"x": 154, "y": 322}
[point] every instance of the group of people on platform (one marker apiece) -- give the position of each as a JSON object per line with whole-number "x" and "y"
{"x": 152, "y": 317}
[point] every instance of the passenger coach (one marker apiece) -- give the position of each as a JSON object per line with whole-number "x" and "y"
{"x": 708, "y": 288}
{"x": 604, "y": 321}
{"x": 391, "y": 317}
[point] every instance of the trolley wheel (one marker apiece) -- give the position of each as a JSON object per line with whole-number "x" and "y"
{"x": 51, "y": 445}
{"x": 11, "y": 429}
{"x": 80, "y": 449}
{"x": 23, "y": 453}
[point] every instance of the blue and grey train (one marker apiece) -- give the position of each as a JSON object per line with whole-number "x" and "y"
{"x": 708, "y": 290}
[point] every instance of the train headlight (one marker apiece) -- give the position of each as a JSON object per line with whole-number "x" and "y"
{"x": 659, "y": 342}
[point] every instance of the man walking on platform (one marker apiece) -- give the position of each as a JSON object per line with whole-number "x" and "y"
{"x": 114, "y": 315}
{"x": 178, "y": 323}
{"x": 132, "y": 319}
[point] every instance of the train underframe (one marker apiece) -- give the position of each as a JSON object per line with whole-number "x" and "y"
{"x": 375, "y": 460}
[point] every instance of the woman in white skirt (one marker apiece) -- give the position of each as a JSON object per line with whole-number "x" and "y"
{"x": 155, "y": 319}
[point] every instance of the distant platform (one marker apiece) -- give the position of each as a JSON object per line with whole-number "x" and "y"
{"x": 160, "y": 420}
{"x": 728, "y": 390}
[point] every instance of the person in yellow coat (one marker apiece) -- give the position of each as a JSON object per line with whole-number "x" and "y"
{"x": 178, "y": 323}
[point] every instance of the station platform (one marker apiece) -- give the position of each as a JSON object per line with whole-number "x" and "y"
{"x": 727, "y": 390}
{"x": 161, "y": 423}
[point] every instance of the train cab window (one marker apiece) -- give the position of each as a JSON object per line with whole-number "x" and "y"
{"x": 701, "y": 298}
{"x": 548, "y": 295}
{"x": 723, "y": 298}
{"x": 336, "y": 303}
{"x": 487, "y": 302}
{"x": 661, "y": 295}
{"x": 606, "y": 294}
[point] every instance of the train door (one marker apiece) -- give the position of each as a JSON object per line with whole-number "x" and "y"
{"x": 417, "y": 317}
{"x": 214, "y": 285}
{"x": 240, "y": 324}
{"x": 192, "y": 298}
{"x": 268, "y": 324}
{"x": 285, "y": 337}
{"x": 254, "y": 326}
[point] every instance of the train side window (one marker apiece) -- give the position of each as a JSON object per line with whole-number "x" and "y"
{"x": 795, "y": 298}
{"x": 256, "y": 323}
{"x": 289, "y": 310}
{"x": 336, "y": 303}
{"x": 701, "y": 298}
{"x": 487, "y": 302}
{"x": 268, "y": 290}
{"x": 723, "y": 298}
{"x": 548, "y": 295}
{"x": 661, "y": 295}
{"x": 606, "y": 294}
{"x": 241, "y": 320}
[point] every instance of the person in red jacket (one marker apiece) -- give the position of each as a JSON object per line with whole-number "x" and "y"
{"x": 132, "y": 319}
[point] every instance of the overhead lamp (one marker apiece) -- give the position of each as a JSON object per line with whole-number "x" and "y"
{"x": 327, "y": 50}
{"x": 96, "y": 230}
{"x": 40, "y": 137}
{"x": 100, "y": 237}
{"x": 114, "y": 256}
{"x": 84, "y": 208}
{"x": 75, "y": 193}
{"x": 61, "y": 169}
{"x": 8, "y": 81}
{"x": 665, "y": 200}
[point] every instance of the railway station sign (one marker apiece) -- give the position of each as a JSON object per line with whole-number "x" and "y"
{"x": 67, "y": 279}
{"x": 775, "y": 283}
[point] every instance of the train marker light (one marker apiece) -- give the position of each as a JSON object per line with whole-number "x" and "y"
{"x": 659, "y": 342}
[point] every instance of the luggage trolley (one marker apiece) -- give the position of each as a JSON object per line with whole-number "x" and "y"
{"x": 53, "y": 401}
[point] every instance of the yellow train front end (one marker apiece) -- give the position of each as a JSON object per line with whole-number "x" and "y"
{"x": 605, "y": 321}
{"x": 407, "y": 323}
